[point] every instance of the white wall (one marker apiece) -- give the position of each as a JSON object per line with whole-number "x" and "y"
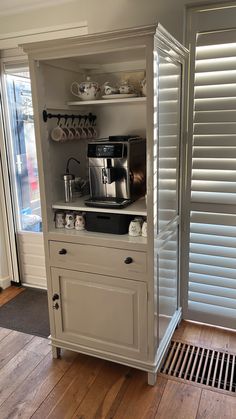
{"x": 102, "y": 15}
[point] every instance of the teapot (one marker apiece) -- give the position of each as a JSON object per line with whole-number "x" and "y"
{"x": 87, "y": 90}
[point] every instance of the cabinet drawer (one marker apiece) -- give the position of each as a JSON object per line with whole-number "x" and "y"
{"x": 98, "y": 259}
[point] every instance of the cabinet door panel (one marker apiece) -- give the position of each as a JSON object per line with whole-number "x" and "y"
{"x": 101, "y": 312}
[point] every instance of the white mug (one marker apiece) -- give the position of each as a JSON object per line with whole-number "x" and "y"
{"x": 144, "y": 229}
{"x": 59, "y": 220}
{"x": 135, "y": 228}
{"x": 79, "y": 222}
{"x": 58, "y": 134}
{"x": 70, "y": 221}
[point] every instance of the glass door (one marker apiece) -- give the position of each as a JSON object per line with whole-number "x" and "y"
{"x": 22, "y": 151}
{"x": 23, "y": 173}
{"x": 167, "y": 139}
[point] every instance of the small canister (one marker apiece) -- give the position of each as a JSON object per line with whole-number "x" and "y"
{"x": 68, "y": 186}
{"x": 59, "y": 219}
{"x": 70, "y": 221}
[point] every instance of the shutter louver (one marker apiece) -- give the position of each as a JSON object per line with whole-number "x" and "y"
{"x": 212, "y": 268}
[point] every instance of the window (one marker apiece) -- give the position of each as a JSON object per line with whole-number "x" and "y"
{"x": 22, "y": 150}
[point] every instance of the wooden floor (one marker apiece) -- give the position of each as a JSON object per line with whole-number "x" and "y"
{"x": 32, "y": 384}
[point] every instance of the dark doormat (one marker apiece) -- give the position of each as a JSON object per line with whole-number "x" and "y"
{"x": 27, "y": 313}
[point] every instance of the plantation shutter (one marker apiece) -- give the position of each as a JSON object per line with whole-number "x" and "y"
{"x": 212, "y": 265}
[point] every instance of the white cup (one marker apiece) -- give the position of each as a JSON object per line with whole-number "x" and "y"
{"x": 69, "y": 221}
{"x": 58, "y": 134}
{"x": 59, "y": 220}
{"x": 135, "y": 228}
{"x": 79, "y": 222}
{"x": 144, "y": 229}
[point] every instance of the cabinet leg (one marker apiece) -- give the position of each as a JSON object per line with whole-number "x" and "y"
{"x": 152, "y": 377}
{"x": 56, "y": 352}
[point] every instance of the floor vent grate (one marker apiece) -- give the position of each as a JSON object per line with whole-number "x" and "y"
{"x": 201, "y": 365}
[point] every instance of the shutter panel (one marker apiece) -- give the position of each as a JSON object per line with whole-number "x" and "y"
{"x": 212, "y": 266}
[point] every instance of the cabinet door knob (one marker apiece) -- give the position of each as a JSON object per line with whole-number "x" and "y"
{"x": 62, "y": 252}
{"x": 128, "y": 260}
{"x": 55, "y": 297}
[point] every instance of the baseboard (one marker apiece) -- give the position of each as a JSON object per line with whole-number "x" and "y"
{"x": 40, "y": 287}
{"x": 5, "y": 282}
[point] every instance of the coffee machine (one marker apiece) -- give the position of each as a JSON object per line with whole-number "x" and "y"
{"x": 117, "y": 171}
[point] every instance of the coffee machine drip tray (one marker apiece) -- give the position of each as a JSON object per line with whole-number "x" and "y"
{"x": 107, "y": 202}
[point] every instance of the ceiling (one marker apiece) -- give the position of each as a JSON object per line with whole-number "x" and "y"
{"x": 9, "y": 7}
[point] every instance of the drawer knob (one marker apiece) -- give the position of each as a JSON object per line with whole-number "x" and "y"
{"x": 55, "y": 297}
{"x": 62, "y": 252}
{"x": 128, "y": 260}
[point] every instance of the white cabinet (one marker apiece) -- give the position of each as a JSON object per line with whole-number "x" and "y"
{"x": 107, "y": 307}
{"x": 102, "y": 312}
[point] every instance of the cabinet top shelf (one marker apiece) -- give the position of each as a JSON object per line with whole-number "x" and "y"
{"x": 107, "y": 101}
{"x": 137, "y": 208}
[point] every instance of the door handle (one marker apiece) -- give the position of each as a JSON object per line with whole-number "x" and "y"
{"x": 128, "y": 260}
{"x": 62, "y": 252}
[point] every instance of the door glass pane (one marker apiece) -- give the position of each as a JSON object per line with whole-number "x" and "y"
{"x": 22, "y": 149}
{"x": 167, "y": 84}
{"x": 169, "y": 81}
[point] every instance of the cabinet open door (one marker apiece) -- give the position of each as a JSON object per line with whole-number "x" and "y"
{"x": 169, "y": 64}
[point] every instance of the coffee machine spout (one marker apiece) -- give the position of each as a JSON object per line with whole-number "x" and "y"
{"x": 108, "y": 175}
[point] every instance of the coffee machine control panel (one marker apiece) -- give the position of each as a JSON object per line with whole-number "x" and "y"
{"x": 107, "y": 151}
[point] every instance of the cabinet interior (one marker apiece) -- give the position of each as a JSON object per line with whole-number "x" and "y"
{"x": 116, "y": 118}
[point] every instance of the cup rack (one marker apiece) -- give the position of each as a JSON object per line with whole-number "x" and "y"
{"x": 90, "y": 117}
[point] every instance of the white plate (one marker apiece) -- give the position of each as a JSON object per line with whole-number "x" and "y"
{"x": 119, "y": 96}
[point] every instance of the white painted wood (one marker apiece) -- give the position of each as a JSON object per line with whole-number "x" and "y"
{"x": 92, "y": 287}
{"x": 108, "y": 101}
{"x": 90, "y": 312}
{"x": 12, "y": 39}
{"x": 151, "y": 378}
{"x": 137, "y": 208}
{"x": 56, "y": 352}
{"x": 209, "y": 267}
{"x": 32, "y": 259}
{"x": 91, "y": 259}
{"x": 5, "y": 282}
{"x": 117, "y": 241}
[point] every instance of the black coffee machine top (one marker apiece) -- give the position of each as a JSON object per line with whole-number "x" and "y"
{"x": 120, "y": 137}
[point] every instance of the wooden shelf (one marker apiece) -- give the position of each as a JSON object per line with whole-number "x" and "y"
{"x": 137, "y": 208}
{"x": 107, "y": 101}
{"x": 122, "y": 241}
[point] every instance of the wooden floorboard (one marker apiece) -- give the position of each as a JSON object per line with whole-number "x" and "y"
{"x": 9, "y": 293}
{"x": 34, "y": 385}
{"x": 140, "y": 401}
{"x": 216, "y": 406}
{"x": 179, "y": 401}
